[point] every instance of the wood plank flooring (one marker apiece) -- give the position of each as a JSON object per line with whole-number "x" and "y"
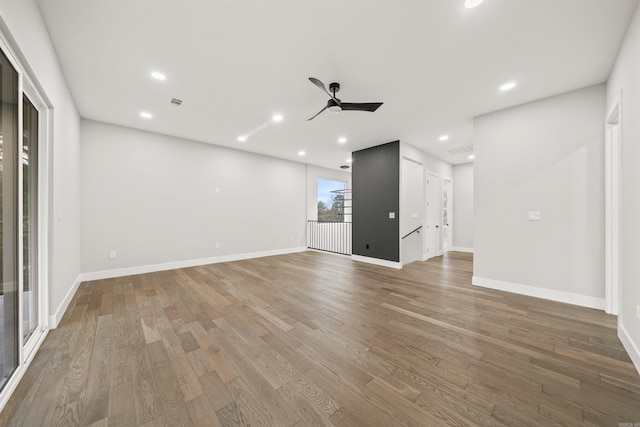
{"x": 314, "y": 339}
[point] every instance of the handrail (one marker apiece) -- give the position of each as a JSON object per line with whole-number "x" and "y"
{"x": 417, "y": 230}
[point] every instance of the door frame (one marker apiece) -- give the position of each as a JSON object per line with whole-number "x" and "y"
{"x": 42, "y": 268}
{"x": 612, "y": 176}
{"x": 438, "y": 207}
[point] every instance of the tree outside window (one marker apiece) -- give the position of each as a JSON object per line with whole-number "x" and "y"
{"x": 331, "y": 200}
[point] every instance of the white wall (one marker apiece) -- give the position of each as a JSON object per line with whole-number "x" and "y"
{"x": 463, "y": 207}
{"x": 315, "y": 172}
{"x": 429, "y": 162}
{"x": 543, "y": 156}
{"x": 21, "y": 22}
{"x": 158, "y": 200}
{"x": 625, "y": 77}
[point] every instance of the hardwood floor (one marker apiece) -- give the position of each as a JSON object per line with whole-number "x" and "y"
{"x": 316, "y": 339}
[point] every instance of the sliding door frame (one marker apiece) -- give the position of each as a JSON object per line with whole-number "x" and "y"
{"x": 29, "y": 87}
{"x": 42, "y": 207}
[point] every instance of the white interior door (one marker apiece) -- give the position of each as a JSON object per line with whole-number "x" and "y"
{"x": 447, "y": 214}
{"x": 432, "y": 217}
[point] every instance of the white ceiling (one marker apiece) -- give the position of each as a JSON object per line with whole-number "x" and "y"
{"x": 434, "y": 63}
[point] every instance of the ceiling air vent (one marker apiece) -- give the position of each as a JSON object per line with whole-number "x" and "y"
{"x": 460, "y": 150}
{"x": 177, "y": 102}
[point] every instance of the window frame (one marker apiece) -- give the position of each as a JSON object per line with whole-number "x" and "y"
{"x": 344, "y": 190}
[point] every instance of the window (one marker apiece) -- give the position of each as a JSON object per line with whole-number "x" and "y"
{"x": 331, "y": 200}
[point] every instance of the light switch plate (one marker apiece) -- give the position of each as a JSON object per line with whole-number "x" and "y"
{"x": 534, "y": 216}
{"x": 392, "y": 215}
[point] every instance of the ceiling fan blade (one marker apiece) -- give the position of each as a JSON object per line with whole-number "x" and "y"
{"x": 317, "y": 114}
{"x": 361, "y": 106}
{"x": 323, "y": 87}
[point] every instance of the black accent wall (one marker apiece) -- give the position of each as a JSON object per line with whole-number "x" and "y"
{"x": 375, "y": 176}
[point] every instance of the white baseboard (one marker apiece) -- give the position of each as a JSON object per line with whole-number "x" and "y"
{"x": 109, "y": 274}
{"x": 532, "y": 291}
{"x": 629, "y": 345}
{"x": 377, "y": 261}
{"x": 460, "y": 249}
{"x": 54, "y": 319}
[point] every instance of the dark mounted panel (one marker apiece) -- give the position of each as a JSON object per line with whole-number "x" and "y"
{"x": 376, "y": 192}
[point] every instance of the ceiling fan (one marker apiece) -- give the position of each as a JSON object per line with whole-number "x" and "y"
{"x": 335, "y": 105}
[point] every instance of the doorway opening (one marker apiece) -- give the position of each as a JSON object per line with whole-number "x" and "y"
{"x": 411, "y": 211}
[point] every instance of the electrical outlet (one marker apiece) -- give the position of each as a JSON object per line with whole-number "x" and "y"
{"x": 217, "y": 245}
{"x": 112, "y": 255}
{"x": 534, "y": 216}
{"x": 638, "y": 312}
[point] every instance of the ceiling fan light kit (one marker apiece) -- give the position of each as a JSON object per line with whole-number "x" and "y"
{"x": 335, "y": 105}
{"x": 470, "y": 4}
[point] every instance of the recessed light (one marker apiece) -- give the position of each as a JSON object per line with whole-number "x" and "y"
{"x": 444, "y": 137}
{"x": 301, "y": 153}
{"x": 146, "y": 115}
{"x": 158, "y": 76}
{"x": 507, "y": 86}
{"x": 342, "y": 140}
{"x": 472, "y": 3}
{"x": 277, "y": 118}
{"x": 242, "y": 138}
{"x": 471, "y": 157}
{"x": 349, "y": 160}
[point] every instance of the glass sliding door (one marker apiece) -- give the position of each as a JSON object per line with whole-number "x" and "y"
{"x": 24, "y": 134}
{"x": 9, "y": 326}
{"x": 29, "y": 217}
